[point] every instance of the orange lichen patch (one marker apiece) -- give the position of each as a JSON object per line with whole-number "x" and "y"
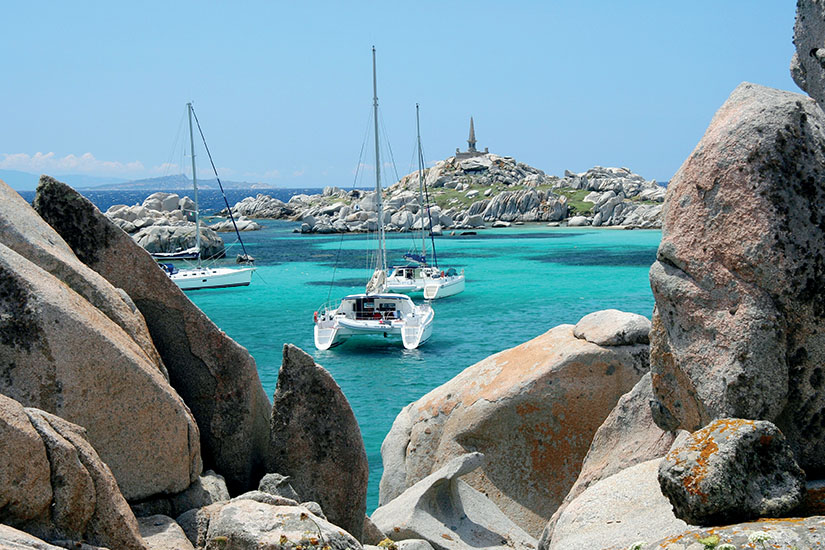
{"x": 526, "y": 408}
{"x": 765, "y": 440}
{"x": 706, "y": 447}
{"x": 446, "y": 536}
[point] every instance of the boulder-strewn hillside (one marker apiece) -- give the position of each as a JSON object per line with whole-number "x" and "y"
{"x": 473, "y": 192}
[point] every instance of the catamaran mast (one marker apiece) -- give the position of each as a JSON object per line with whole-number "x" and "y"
{"x": 382, "y": 252}
{"x": 195, "y": 185}
{"x": 421, "y": 185}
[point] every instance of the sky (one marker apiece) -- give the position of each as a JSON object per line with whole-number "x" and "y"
{"x": 283, "y": 90}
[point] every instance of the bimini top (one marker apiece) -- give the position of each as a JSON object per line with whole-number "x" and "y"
{"x": 420, "y": 258}
{"x": 379, "y": 296}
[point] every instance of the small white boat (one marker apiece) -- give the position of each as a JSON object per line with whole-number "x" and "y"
{"x": 200, "y": 276}
{"x": 188, "y": 254}
{"x": 209, "y": 277}
{"x": 381, "y": 315}
{"x": 376, "y": 312}
{"x": 419, "y": 276}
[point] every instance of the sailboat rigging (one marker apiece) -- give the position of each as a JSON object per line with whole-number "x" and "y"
{"x": 201, "y": 276}
{"x": 375, "y": 312}
{"x": 419, "y": 276}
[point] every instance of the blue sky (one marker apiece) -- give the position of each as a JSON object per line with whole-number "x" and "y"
{"x": 283, "y": 89}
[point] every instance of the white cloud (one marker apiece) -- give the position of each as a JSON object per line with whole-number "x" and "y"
{"x": 298, "y": 173}
{"x": 85, "y": 164}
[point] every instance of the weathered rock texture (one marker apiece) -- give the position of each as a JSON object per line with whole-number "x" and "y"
{"x": 616, "y": 512}
{"x": 13, "y": 539}
{"x": 54, "y": 484}
{"x": 60, "y": 354}
{"x": 732, "y": 470}
{"x": 808, "y": 63}
{"x": 316, "y": 441}
{"x": 450, "y": 514}
{"x": 250, "y": 525}
{"x": 22, "y": 230}
{"x": 162, "y": 533}
{"x": 216, "y": 377}
{"x": 629, "y": 436}
{"x": 739, "y": 327}
{"x": 776, "y": 534}
{"x": 207, "y": 489}
{"x": 532, "y": 410}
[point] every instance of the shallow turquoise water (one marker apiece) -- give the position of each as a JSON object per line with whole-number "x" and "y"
{"x": 521, "y": 281}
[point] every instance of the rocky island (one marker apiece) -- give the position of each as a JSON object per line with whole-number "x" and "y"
{"x": 472, "y": 190}
{"x": 130, "y": 421}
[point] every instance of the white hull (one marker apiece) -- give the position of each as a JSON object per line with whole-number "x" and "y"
{"x": 413, "y": 326}
{"x": 441, "y": 288}
{"x": 212, "y": 277}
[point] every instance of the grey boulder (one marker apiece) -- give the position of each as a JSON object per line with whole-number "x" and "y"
{"x": 449, "y": 514}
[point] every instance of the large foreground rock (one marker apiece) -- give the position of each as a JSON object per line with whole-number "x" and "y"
{"x": 739, "y": 282}
{"x": 450, "y": 514}
{"x": 25, "y": 232}
{"x": 216, "y": 377}
{"x": 162, "y": 533}
{"x": 616, "y": 512}
{"x": 60, "y": 354}
{"x": 250, "y": 525}
{"x": 732, "y": 470}
{"x": 316, "y": 441}
{"x": 628, "y": 436}
{"x": 776, "y": 534}
{"x": 55, "y": 486}
{"x": 808, "y": 63}
{"x": 532, "y": 410}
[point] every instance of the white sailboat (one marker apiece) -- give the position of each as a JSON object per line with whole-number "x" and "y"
{"x": 419, "y": 276}
{"x": 201, "y": 276}
{"x": 375, "y": 312}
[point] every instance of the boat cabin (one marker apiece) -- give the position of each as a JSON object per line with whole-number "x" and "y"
{"x": 363, "y": 307}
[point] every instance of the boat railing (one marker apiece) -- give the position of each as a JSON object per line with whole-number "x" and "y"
{"x": 327, "y": 309}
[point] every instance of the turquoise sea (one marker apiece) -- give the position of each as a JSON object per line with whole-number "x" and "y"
{"x": 521, "y": 281}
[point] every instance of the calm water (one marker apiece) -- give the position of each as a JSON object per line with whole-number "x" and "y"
{"x": 521, "y": 281}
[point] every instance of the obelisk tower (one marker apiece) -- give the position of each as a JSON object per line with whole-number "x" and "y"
{"x": 472, "y": 139}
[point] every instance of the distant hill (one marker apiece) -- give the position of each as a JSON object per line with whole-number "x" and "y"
{"x": 176, "y": 182}
{"x": 26, "y": 181}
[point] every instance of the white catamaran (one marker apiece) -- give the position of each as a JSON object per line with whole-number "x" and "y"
{"x": 376, "y": 312}
{"x": 201, "y": 276}
{"x": 419, "y": 276}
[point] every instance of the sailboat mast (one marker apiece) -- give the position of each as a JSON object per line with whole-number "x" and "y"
{"x": 421, "y": 185}
{"x": 382, "y": 252}
{"x": 195, "y": 185}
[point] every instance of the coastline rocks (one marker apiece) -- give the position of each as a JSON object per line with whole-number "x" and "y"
{"x": 242, "y": 223}
{"x": 808, "y": 62}
{"x": 776, "y": 534}
{"x": 12, "y": 539}
{"x": 617, "y": 511}
{"x": 55, "y": 486}
{"x": 207, "y": 489}
{"x": 162, "y": 533}
{"x": 628, "y": 436}
{"x": 317, "y": 442}
{"x": 470, "y": 192}
{"x": 611, "y": 327}
{"x": 22, "y": 230}
{"x": 61, "y": 354}
{"x": 251, "y": 525}
{"x": 732, "y": 470}
{"x": 515, "y": 407}
{"x": 739, "y": 281}
{"x": 215, "y": 376}
{"x": 449, "y": 514}
{"x": 165, "y": 223}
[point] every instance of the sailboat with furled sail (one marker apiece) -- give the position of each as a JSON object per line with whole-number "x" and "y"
{"x": 206, "y": 276}
{"x": 418, "y": 275}
{"x": 376, "y": 312}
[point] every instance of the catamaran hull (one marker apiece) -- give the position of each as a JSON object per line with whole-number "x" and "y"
{"x": 221, "y": 277}
{"x": 443, "y": 288}
{"x": 330, "y": 334}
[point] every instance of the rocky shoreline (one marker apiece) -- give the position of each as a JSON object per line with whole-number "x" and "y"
{"x": 473, "y": 193}
{"x": 128, "y": 420}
